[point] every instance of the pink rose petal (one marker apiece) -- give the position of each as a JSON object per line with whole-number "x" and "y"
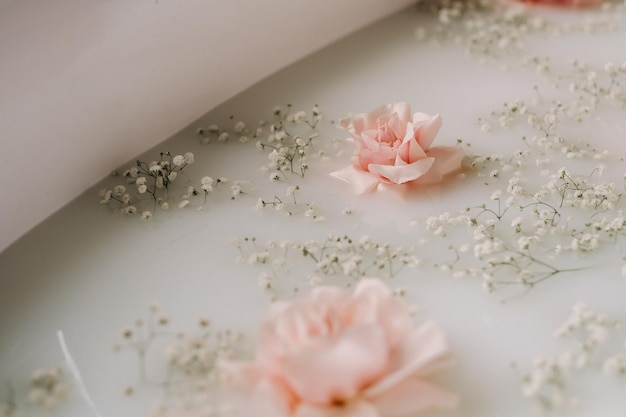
{"x": 374, "y": 303}
{"x": 413, "y": 397}
{"x": 355, "y": 360}
{"x": 402, "y": 109}
{"x": 273, "y": 399}
{"x": 448, "y": 159}
{"x": 399, "y": 174}
{"x": 426, "y": 127}
{"x": 423, "y": 346}
{"x": 362, "y": 182}
{"x": 354, "y": 409}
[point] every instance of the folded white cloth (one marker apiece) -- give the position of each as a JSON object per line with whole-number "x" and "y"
{"x": 87, "y": 85}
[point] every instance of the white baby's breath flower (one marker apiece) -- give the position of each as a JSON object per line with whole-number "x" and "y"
{"x": 274, "y": 176}
{"x": 264, "y": 280}
{"x": 235, "y": 189}
{"x": 119, "y": 190}
{"x": 615, "y": 365}
{"x": 178, "y": 160}
{"x": 300, "y": 117}
{"x": 239, "y": 127}
{"x": 291, "y": 190}
{"x": 106, "y": 197}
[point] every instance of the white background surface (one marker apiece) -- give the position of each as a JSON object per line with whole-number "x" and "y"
{"x": 86, "y": 84}
{"x": 89, "y": 272}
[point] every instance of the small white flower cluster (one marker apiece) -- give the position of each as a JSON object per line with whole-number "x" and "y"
{"x": 589, "y": 328}
{"x": 495, "y": 29}
{"x": 593, "y": 335}
{"x": 49, "y": 388}
{"x": 493, "y": 259}
{"x": 152, "y": 179}
{"x": 141, "y": 335}
{"x": 195, "y": 354}
{"x": 440, "y": 224}
{"x": 545, "y": 386}
{"x": 236, "y": 188}
{"x": 288, "y": 139}
{"x": 544, "y": 205}
{"x": 152, "y": 187}
{"x": 336, "y": 256}
{"x": 191, "y": 376}
{"x": 290, "y": 208}
{"x": 598, "y": 84}
{"x": 192, "y": 372}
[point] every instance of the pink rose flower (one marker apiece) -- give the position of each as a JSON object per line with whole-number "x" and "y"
{"x": 393, "y": 147}
{"x": 336, "y": 354}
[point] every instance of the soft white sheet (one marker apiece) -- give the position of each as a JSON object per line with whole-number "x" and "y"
{"x": 85, "y": 85}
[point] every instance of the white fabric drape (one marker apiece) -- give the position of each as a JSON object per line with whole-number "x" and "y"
{"x": 86, "y": 85}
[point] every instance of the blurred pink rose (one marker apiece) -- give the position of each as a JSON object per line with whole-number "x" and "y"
{"x": 336, "y": 354}
{"x": 564, "y": 3}
{"x": 393, "y": 147}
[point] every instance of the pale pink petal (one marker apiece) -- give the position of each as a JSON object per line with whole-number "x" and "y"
{"x": 357, "y": 123}
{"x": 410, "y": 151}
{"x": 403, "y": 173}
{"x": 368, "y": 140}
{"x": 385, "y": 155}
{"x": 271, "y": 399}
{"x": 371, "y": 287}
{"x": 424, "y": 346}
{"x": 448, "y": 159}
{"x": 354, "y": 409}
{"x": 374, "y": 303}
{"x": 426, "y": 128}
{"x": 398, "y": 125}
{"x": 299, "y": 322}
{"x": 339, "y": 367}
{"x": 362, "y": 182}
{"x": 403, "y": 110}
{"x": 325, "y": 294}
{"x": 413, "y": 397}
